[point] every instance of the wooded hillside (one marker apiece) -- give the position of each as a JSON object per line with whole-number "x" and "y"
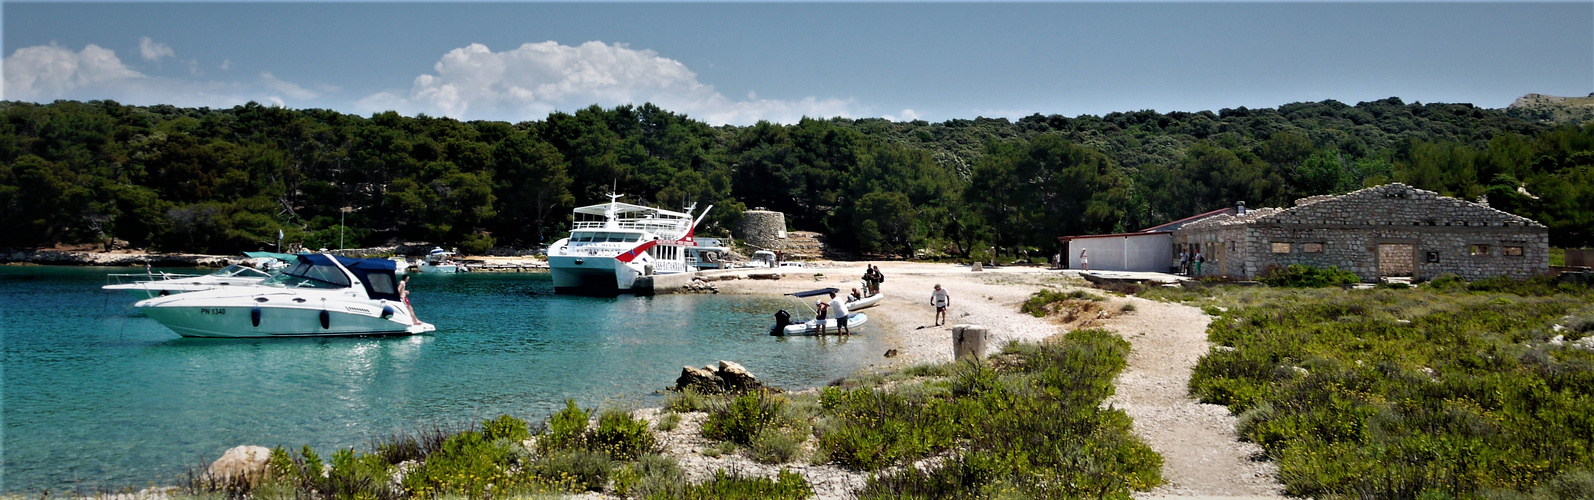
{"x": 225, "y": 180}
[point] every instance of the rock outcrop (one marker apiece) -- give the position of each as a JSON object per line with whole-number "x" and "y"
{"x": 727, "y": 377}
{"x": 241, "y": 462}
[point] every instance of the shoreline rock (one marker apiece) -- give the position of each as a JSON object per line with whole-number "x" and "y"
{"x": 728, "y": 377}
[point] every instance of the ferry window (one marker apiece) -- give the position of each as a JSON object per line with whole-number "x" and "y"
{"x": 631, "y": 238}
{"x": 1312, "y": 247}
{"x": 617, "y": 237}
{"x": 580, "y": 237}
{"x": 1281, "y": 247}
{"x": 1480, "y": 249}
{"x": 1513, "y": 251}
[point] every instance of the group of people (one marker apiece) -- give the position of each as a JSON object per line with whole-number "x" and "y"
{"x": 1189, "y": 262}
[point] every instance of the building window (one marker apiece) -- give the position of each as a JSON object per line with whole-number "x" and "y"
{"x": 1312, "y": 247}
{"x": 1513, "y": 251}
{"x": 1433, "y": 257}
{"x": 1281, "y": 247}
{"x": 1480, "y": 249}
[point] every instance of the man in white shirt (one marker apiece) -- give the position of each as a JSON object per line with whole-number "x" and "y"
{"x": 940, "y": 299}
{"x": 838, "y": 310}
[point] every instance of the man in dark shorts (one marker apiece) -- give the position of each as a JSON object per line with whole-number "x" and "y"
{"x": 940, "y": 299}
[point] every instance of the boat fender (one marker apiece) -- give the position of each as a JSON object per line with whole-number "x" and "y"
{"x": 326, "y": 319}
{"x": 254, "y": 316}
{"x": 387, "y": 312}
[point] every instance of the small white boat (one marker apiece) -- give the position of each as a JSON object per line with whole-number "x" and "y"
{"x": 440, "y": 261}
{"x": 784, "y": 325}
{"x": 811, "y": 327}
{"x": 320, "y": 295}
{"x": 152, "y": 284}
{"x": 865, "y": 302}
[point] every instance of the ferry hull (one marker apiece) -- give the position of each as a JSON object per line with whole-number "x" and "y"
{"x": 591, "y": 273}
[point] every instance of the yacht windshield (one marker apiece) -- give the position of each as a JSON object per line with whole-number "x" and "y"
{"x": 304, "y": 274}
{"x": 240, "y": 271}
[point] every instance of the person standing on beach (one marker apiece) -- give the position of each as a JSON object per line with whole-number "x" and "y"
{"x": 940, "y": 299}
{"x": 1084, "y": 260}
{"x": 1198, "y": 260}
{"x": 1184, "y": 261}
{"x": 840, "y": 308}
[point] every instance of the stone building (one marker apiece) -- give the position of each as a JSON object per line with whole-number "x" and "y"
{"x": 1389, "y": 230}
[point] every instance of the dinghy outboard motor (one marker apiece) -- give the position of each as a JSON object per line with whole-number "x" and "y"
{"x": 782, "y": 318}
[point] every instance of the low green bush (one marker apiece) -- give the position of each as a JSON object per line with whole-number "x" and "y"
{"x": 620, "y": 436}
{"x": 773, "y": 446}
{"x": 1039, "y": 303}
{"x": 650, "y": 476}
{"x": 1302, "y": 276}
{"x": 668, "y": 422}
{"x": 574, "y": 470}
{"x": 786, "y": 486}
{"x": 566, "y": 429}
{"x": 1030, "y": 426}
{"x": 741, "y": 418}
{"x": 1447, "y": 390}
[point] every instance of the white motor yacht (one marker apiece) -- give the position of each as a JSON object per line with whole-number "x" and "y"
{"x": 153, "y": 284}
{"x": 320, "y": 295}
{"x": 613, "y": 244}
{"x": 440, "y": 261}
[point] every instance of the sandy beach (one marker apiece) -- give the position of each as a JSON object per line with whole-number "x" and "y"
{"x": 1202, "y": 457}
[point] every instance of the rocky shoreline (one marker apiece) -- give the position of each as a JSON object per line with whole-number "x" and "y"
{"x": 115, "y": 259}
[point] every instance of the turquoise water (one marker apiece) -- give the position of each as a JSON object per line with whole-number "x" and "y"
{"x": 95, "y": 396}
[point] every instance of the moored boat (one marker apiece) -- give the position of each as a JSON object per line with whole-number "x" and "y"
{"x": 320, "y": 295}
{"x": 785, "y": 326}
{"x": 613, "y": 244}
{"x": 153, "y": 284}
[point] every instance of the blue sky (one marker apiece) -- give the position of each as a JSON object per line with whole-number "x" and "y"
{"x": 742, "y": 62}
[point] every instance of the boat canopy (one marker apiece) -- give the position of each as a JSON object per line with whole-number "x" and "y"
{"x": 375, "y": 274}
{"x": 627, "y": 208}
{"x": 285, "y": 257}
{"x": 813, "y": 293}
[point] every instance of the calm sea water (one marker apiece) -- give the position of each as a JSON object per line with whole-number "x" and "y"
{"x": 96, "y": 396}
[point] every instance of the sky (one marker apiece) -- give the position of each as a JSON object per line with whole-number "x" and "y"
{"x": 739, "y": 63}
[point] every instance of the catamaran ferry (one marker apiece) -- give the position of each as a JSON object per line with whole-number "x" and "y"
{"x": 613, "y": 244}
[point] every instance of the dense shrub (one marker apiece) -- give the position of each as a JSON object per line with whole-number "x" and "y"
{"x": 741, "y": 418}
{"x": 1451, "y": 389}
{"x": 1032, "y": 426}
{"x": 620, "y": 436}
{"x": 786, "y": 486}
{"x": 1300, "y": 276}
{"x": 1040, "y": 303}
{"x": 566, "y": 429}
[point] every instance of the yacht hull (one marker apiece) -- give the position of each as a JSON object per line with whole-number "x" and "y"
{"x": 231, "y": 319}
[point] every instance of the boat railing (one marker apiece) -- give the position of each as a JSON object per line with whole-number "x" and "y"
{"x": 656, "y": 226}
{"x": 131, "y": 278}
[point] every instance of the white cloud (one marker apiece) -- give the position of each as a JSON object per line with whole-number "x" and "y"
{"x": 535, "y": 79}
{"x": 290, "y": 89}
{"x": 51, "y": 71}
{"x": 44, "y": 73}
{"x": 153, "y": 50}
{"x": 226, "y": 64}
{"x": 907, "y": 115}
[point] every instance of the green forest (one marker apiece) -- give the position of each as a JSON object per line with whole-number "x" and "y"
{"x": 225, "y": 180}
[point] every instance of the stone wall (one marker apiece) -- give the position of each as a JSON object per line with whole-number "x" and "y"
{"x": 762, "y": 228}
{"x": 1420, "y": 233}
